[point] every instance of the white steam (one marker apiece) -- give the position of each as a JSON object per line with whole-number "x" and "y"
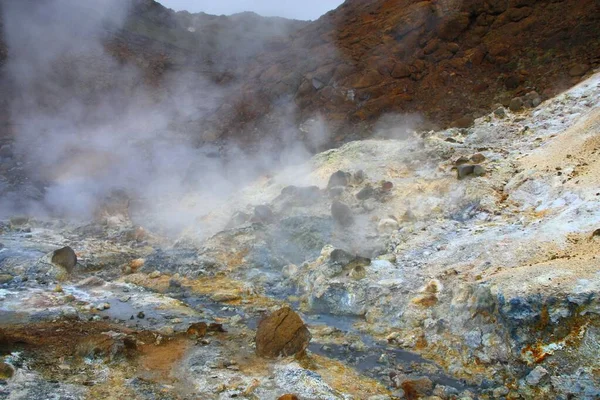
{"x": 86, "y": 124}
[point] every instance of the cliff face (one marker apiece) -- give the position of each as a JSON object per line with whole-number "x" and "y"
{"x": 446, "y": 60}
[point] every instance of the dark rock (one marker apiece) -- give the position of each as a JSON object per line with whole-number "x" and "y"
{"x": 141, "y": 315}
{"x": 516, "y": 104}
{"x": 500, "y": 112}
{"x": 341, "y": 257}
{"x": 387, "y": 186}
{"x": 533, "y": 99}
{"x": 65, "y": 258}
{"x": 451, "y": 27}
{"x": 283, "y": 333}
{"x": 463, "y": 122}
{"x": 317, "y": 84}
{"x": 341, "y": 213}
{"x": 301, "y": 196}
{"x": 339, "y": 178}
{"x": 400, "y": 70}
{"x": 512, "y": 82}
{"x": 359, "y": 176}
{"x": 216, "y": 327}
{"x": 365, "y": 193}
{"x": 263, "y": 214}
{"x": 579, "y": 70}
{"x": 464, "y": 170}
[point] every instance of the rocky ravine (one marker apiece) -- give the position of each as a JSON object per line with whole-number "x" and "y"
{"x": 456, "y": 264}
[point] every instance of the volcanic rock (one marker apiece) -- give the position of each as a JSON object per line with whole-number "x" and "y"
{"x": 365, "y": 193}
{"x": 288, "y": 397}
{"x": 283, "y": 333}
{"x": 516, "y": 104}
{"x": 6, "y": 371}
{"x": 197, "y": 330}
{"x": 341, "y": 213}
{"x": 339, "y": 178}
{"x": 579, "y": 70}
{"x": 65, "y": 258}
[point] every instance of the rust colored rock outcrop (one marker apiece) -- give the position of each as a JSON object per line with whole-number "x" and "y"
{"x": 283, "y": 333}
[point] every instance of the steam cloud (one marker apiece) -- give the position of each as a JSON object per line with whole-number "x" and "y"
{"x": 87, "y": 124}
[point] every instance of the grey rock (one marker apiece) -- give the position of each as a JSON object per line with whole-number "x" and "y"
{"x": 365, "y": 193}
{"x": 339, "y": 178}
{"x": 300, "y": 196}
{"x": 478, "y": 170}
{"x": 464, "y": 170}
{"x": 536, "y": 376}
{"x": 341, "y": 213}
{"x": 317, "y": 84}
{"x": 516, "y": 104}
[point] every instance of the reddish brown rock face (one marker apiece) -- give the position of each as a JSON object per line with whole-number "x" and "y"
{"x": 289, "y": 397}
{"x": 282, "y": 333}
{"x": 442, "y": 60}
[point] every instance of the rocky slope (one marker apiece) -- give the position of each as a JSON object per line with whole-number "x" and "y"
{"x": 452, "y": 264}
{"x": 447, "y": 61}
{"x": 435, "y": 63}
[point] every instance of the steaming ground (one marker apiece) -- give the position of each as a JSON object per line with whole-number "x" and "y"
{"x": 88, "y": 127}
{"x": 423, "y": 285}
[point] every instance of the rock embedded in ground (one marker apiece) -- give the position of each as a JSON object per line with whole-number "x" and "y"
{"x": 283, "y": 333}
{"x": 197, "y": 330}
{"x": 341, "y": 213}
{"x": 339, "y": 178}
{"x": 65, "y": 258}
{"x": 478, "y": 158}
{"x": 301, "y": 196}
{"x": 289, "y": 397}
{"x": 462, "y": 122}
{"x": 578, "y": 70}
{"x": 365, "y": 193}
{"x": 6, "y": 371}
{"x": 478, "y": 170}
{"x": 516, "y": 104}
{"x": 464, "y": 170}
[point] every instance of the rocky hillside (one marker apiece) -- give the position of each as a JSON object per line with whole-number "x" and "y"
{"x": 447, "y": 61}
{"x": 155, "y": 40}
{"x": 442, "y": 62}
{"x": 453, "y": 264}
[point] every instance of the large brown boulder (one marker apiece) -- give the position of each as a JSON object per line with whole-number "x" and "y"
{"x": 65, "y": 258}
{"x": 283, "y": 333}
